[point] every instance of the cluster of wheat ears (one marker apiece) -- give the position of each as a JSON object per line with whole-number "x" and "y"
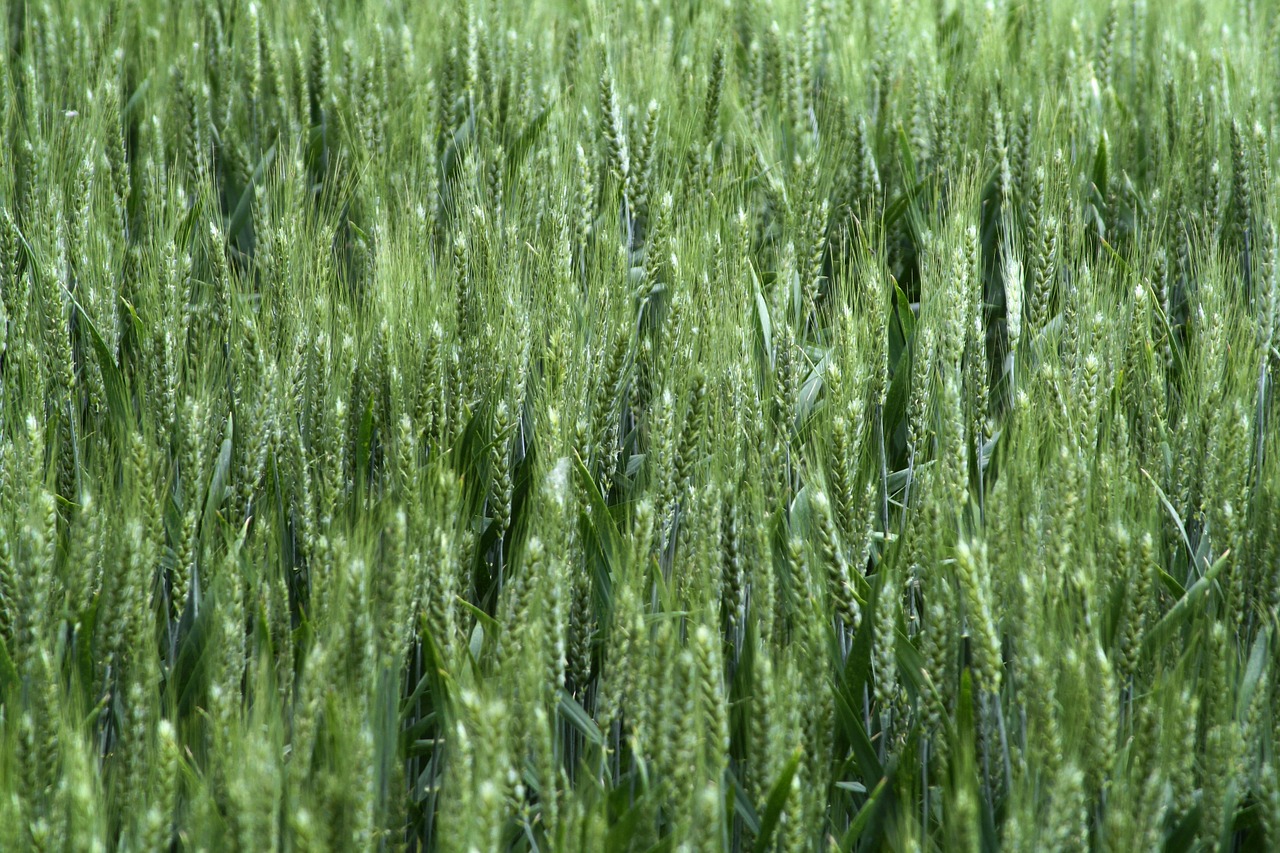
{"x": 665, "y": 425}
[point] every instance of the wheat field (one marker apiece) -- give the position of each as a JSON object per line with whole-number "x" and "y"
{"x": 657, "y": 426}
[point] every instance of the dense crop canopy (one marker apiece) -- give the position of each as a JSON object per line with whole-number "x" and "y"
{"x": 655, "y": 426}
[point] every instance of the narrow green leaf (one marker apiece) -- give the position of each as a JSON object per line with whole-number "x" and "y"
{"x": 863, "y": 819}
{"x": 742, "y": 805}
{"x": 491, "y": 625}
{"x": 764, "y": 325}
{"x": 218, "y": 481}
{"x": 135, "y": 100}
{"x": 1182, "y": 608}
{"x": 776, "y": 799}
{"x": 244, "y": 207}
{"x": 906, "y": 317}
{"x": 1175, "y": 589}
{"x": 1173, "y": 513}
{"x": 601, "y": 519}
{"x": 1099, "y": 175}
{"x": 1254, "y": 668}
{"x": 579, "y": 719}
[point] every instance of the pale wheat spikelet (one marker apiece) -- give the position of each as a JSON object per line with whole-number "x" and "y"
{"x": 301, "y": 86}
{"x": 519, "y": 599}
{"x": 170, "y": 337}
{"x": 1067, "y": 819}
{"x": 866, "y": 182}
{"x": 314, "y": 691}
{"x": 662, "y": 440}
{"x": 640, "y": 178}
{"x": 277, "y": 88}
{"x": 818, "y": 730}
{"x": 754, "y": 597}
{"x": 921, "y": 128}
{"x": 318, "y": 72}
{"x": 1241, "y": 206}
{"x": 612, "y": 130}
{"x": 813, "y": 215}
{"x": 1106, "y": 46}
{"x": 36, "y": 584}
{"x": 1013, "y": 273}
{"x": 843, "y": 600}
{"x": 190, "y": 141}
{"x": 350, "y": 593}
{"x": 797, "y": 589}
{"x": 793, "y": 827}
{"x": 1267, "y": 297}
{"x": 389, "y": 581}
{"x": 553, "y": 621}
{"x": 149, "y": 510}
{"x": 711, "y": 109}
{"x": 1212, "y": 217}
{"x": 1041, "y": 243}
{"x": 616, "y": 701}
{"x": 922, "y": 367}
{"x": 884, "y": 650}
{"x": 786, "y": 382}
{"x": 936, "y": 653}
{"x": 218, "y": 308}
{"x": 971, "y": 569}
{"x": 440, "y": 594}
{"x": 256, "y": 380}
{"x": 116, "y": 156}
{"x": 330, "y": 462}
{"x": 1020, "y": 144}
{"x": 953, "y": 448}
{"x": 8, "y": 569}
{"x": 606, "y": 413}
{"x": 1130, "y": 574}
{"x": 500, "y": 464}
{"x": 758, "y": 71}
{"x": 192, "y": 480}
{"x": 975, "y": 376}
{"x": 164, "y": 791}
{"x": 1160, "y": 283}
{"x": 713, "y": 701}
{"x": 225, "y": 695}
{"x": 733, "y": 572}
{"x": 433, "y": 403}
{"x": 253, "y": 78}
{"x": 78, "y": 235}
{"x": 761, "y": 756}
{"x": 57, "y": 356}
{"x": 36, "y": 752}
{"x": 138, "y": 719}
{"x": 678, "y": 705}
{"x": 1269, "y": 783}
{"x": 280, "y": 631}
{"x": 1103, "y": 721}
{"x": 581, "y": 633}
{"x": 841, "y": 471}
{"x": 998, "y": 146}
{"x": 407, "y": 475}
{"x": 584, "y": 203}
{"x": 689, "y": 449}
{"x": 1090, "y": 378}
{"x": 80, "y": 797}
{"x": 1150, "y": 794}
{"x": 1221, "y": 736}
